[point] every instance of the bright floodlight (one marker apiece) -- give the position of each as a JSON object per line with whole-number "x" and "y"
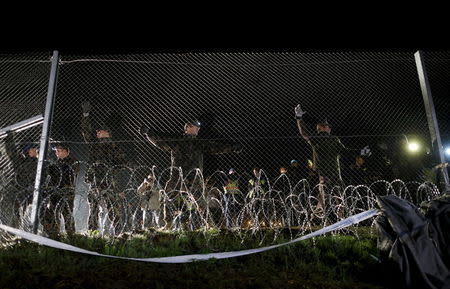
{"x": 447, "y": 151}
{"x": 413, "y": 146}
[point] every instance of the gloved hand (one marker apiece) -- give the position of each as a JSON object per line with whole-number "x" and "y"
{"x": 299, "y": 112}
{"x": 143, "y": 130}
{"x": 86, "y": 106}
{"x": 366, "y": 151}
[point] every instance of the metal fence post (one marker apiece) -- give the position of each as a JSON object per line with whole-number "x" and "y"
{"x": 431, "y": 113}
{"x": 48, "y": 115}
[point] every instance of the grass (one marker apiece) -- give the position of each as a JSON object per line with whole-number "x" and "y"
{"x": 339, "y": 261}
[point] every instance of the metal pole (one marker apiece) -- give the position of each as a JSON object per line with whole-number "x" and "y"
{"x": 48, "y": 116}
{"x": 431, "y": 113}
{"x": 22, "y": 125}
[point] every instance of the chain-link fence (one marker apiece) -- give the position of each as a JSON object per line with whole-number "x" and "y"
{"x": 23, "y": 89}
{"x": 193, "y": 141}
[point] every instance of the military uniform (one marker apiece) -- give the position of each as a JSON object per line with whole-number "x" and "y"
{"x": 104, "y": 154}
{"x": 327, "y": 151}
{"x": 187, "y": 153}
{"x": 62, "y": 173}
{"x": 24, "y": 166}
{"x": 61, "y": 189}
{"x": 103, "y": 175}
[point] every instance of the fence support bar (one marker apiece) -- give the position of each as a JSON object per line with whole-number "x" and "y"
{"x": 48, "y": 116}
{"x": 22, "y": 125}
{"x": 431, "y": 113}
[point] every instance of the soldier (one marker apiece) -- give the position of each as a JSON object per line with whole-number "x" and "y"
{"x": 24, "y": 164}
{"x": 60, "y": 190}
{"x": 103, "y": 150}
{"x": 187, "y": 150}
{"x": 327, "y": 151}
{"x": 106, "y": 159}
{"x": 187, "y": 154}
{"x": 64, "y": 169}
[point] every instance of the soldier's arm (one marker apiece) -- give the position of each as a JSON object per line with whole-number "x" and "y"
{"x": 86, "y": 129}
{"x": 156, "y": 140}
{"x": 299, "y": 112}
{"x": 164, "y": 142}
{"x": 86, "y": 126}
{"x": 10, "y": 148}
{"x": 303, "y": 130}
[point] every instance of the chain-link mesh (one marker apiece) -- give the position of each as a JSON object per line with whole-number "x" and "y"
{"x": 23, "y": 90}
{"x": 128, "y": 125}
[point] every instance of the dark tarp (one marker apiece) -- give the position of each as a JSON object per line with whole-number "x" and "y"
{"x": 414, "y": 246}
{"x": 438, "y": 214}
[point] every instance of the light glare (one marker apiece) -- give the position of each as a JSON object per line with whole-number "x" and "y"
{"x": 413, "y": 147}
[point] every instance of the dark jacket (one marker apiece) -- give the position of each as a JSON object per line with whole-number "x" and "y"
{"x": 104, "y": 154}
{"x": 63, "y": 172}
{"x": 103, "y": 150}
{"x": 24, "y": 166}
{"x": 327, "y": 151}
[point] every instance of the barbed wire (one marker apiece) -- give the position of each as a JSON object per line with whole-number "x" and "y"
{"x": 200, "y": 204}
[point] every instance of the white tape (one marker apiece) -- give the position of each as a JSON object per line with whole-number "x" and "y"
{"x": 195, "y": 257}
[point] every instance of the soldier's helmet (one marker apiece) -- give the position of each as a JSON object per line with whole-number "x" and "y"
{"x": 60, "y": 145}
{"x": 26, "y": 147}
{"x": 103, "y": 126}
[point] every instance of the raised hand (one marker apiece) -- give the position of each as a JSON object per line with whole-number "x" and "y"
{"x": 299, "y": 112}
{"x": 87, "y": 107}
{"x": 143, "y": 130}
